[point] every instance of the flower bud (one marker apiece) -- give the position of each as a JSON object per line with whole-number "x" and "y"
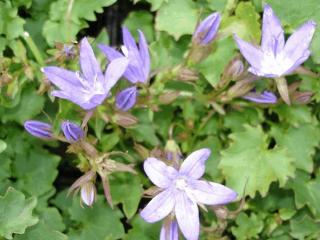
{"x": 39, "y": 129}
{"x": 232, "y": 71}
{"x": 72, "y": 131}
{"x": 264, "y": 97}
{"x": 302, "y": 97}
{"x": 168, "y": 97}
{"x": 240, "y": 88}
{"x": 141, "y": 150}
{"x": 126, "y": 99}
{"x": 187, "y": 75}
{"x": 172, "y": 150}
{"x": 207, "y": 29}
{"x": 88, "y": 193}
{"x": 124, "y": 119}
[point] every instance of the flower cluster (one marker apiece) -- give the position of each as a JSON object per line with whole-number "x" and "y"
{"x": 179, "y": 187}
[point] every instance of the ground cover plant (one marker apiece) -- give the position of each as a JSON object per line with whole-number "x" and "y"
{"x": 159, "y": 119}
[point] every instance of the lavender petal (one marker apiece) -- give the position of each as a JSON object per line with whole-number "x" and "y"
{"x": 110, "y": 53}
{"x": 272, "y": 32}
{"x": 187, "y": 215}
{"x": 210, "y": 193}
{"x": 159, "y": 173}
{"x": 114, "y": 71}
{"x": 194, "y": 165}
{"x": 264, "y": 97}
{"x": 207, "y": 29}
{"x": 88, "y": 62}
{"x": 159, "y": 207}
{"x": 145, "y": 56}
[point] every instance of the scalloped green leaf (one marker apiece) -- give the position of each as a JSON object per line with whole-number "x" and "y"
{"x": 248, "y": 165}
{"x": 16, "y": 213}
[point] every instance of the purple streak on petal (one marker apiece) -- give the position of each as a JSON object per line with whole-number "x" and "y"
{"x": 114, "y": 71}
{"x": 210, "y": 193}
{"x": 207, "y": 29}
{"x": 38, "y": 129}
{"x": 264, "y": 97}
{"x": 62, "y": 78}
{"x": 169, "y": 232}
{"x": 159, "y": 173}
{"x": 72, "y": 131}
{"x": 272, "y": 32}
{"x": 187, "y": 215}
{"x": 251, "y": 53}
{"x": 88, "y": 62}
{"x": 159, "y": 207}
{"x": 194, "y": 165}
{"x": 110, "y": 52}
{"x": 296, "y": 49}
{"x": 145, "y": 56}
{"x": 126, "y": 99}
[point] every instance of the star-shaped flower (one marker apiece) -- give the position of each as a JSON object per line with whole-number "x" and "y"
{"x": 181, "y": 191}
{"x": 90, "y": 87}
{"x": 275, "y": 57}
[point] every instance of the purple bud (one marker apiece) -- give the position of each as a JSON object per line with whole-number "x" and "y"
{"x": 207, "y": 29}
{"x": 69, "y": 50}
{"x": 264, "y": 97}
{"x": 38, "y": 129}
{"x": 72, "y": 131}
{"x": 126, "y": 98}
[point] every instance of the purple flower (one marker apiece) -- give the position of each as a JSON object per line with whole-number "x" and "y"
{"x": 72, "y": 131}
{"x": 170, "y": 231}
{"x": 38, "y": 129}
{"x": 275, "y": 58}
{"x": 89, "y": 88}
{"x": 182, "y": 191}
{"x": 207, "y": 29}
{"x": 264, "y": 97}
{"x": 139, "y": 59}
{"x": 126, "y": 98}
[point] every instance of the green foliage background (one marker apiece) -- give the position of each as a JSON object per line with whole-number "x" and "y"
{"x": 269, "y": 155}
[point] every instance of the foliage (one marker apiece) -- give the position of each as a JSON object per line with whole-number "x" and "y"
{"x": 269, "y": 154}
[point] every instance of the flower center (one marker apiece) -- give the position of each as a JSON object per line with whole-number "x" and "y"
{"x": 181, "y": 184}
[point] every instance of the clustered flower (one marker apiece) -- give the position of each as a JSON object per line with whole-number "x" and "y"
{"x": 180, "y": 189}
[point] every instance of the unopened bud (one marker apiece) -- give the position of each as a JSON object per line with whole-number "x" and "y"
{"x": 172, "y": 150}
{"x": 240, "y": 88}
{"x": 207, "y": 29}
{"x": 187, "y": 75}
{"x": 124, "y": 119}
{"x": 302, "y": 97}
{"x": 232, "y": 71}
{"x": 126, "y": 98}
{"x": 39, "y": 129}
{"x": 221, "y": 212}
{"x": 168, "y": 97}
{"x": 72, "y": 131}
{"x": 88, "y": 193}
{"x": 141, "y": 150}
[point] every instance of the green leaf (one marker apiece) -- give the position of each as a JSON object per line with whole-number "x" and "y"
{"x": 245, "y": 23}
{"x": 249, "y": 165}
{"x": 142, "y": 20}
{"x": 124, "y": 184}
{"x": 219, "y": 59}
{"x": 50, "y": 226}
{"x": 11, "y": 24}
{"x": 248, "y": 227}
{"x": 67, "y": 18}
{"x": 304, "y": 228}
{"x": 98, "y": 222}
{"x": 30, "y": 105}
{"x": 155, "y": 4}
{"x": 306, "y": 192}
{"x": 177, "y": 18}
{"x": 16, "y": 213}
{"x": 299, "y": 147}
{"x": 142, "y": 230}
{"x": 145, "y": 133}
{"x": 294, "y": 13}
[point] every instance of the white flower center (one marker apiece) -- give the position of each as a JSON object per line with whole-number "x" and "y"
{"x": 181, "y": 183}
